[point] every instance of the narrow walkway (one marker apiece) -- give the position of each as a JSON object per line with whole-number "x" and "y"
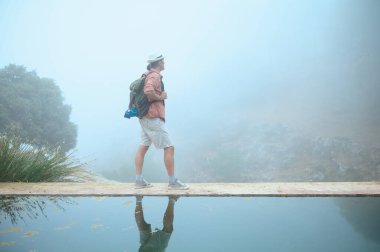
{"x": 196, "y": 189}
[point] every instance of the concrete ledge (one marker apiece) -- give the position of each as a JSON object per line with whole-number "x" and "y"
{"x": 301, "y": 189}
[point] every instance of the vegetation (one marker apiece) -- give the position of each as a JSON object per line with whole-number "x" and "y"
{"x": 24, "y": 163}
{"x": 32, "y": 108}
{"x": 18, "y": 208}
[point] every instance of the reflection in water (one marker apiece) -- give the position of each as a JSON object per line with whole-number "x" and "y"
{"x": 118, "y": 224}
{"x": 156, "y": 240}
{"x": 19, "y": 208}
{"x": 363, "y": 215}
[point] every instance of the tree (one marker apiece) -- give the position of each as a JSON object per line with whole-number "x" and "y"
{"x": 32, "y": 108}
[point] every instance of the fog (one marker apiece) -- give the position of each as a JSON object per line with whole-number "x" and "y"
{"x": 257, "y": 90}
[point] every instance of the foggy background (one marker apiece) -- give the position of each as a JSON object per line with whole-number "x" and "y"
{"x": 257, "y": 90}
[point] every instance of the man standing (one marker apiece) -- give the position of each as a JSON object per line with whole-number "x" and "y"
{"x": 153, "y": 125}
{"x": 155, "y": 240}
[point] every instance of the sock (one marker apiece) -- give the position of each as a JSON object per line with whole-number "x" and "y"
{"x": 139, "y": 177}
{"x": 171, "y": 179}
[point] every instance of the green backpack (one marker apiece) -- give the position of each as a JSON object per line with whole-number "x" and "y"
{"x": 138, "y": 100}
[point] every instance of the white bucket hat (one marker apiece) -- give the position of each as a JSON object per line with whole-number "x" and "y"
{"x": 155, "y": 57}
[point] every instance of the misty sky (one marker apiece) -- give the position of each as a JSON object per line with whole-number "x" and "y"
{"x": 306, "y": 64}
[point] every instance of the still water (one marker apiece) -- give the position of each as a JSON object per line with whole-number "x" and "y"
{"x": 42, "y": 224}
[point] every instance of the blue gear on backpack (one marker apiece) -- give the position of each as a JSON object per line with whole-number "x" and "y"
{"x": 131, "y": 113}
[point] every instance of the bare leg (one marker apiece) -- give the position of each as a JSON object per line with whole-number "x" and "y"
{"x": 139, "y": 159}
{"x": 169, "y": 160}
{"x": 169, "y": 217}
{"x": 139, "y": 216}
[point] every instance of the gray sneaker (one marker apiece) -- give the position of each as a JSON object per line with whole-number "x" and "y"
{"x": 142, "y": 184}
{"x": 177, "y": 185}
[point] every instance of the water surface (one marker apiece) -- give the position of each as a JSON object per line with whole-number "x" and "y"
{"x": 189, "y": 224}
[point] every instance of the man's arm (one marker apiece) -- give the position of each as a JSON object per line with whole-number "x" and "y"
{"x": 153, "y": 96}
{"x": 151, "y": 92}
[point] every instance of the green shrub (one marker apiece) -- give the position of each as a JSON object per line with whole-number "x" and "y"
{"x": 24, "y": 163}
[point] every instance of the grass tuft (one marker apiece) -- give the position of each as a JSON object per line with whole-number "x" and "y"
{"x": 24, "y": 163}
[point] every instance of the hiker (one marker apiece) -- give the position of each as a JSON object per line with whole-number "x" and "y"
{"x": 153, "y": 125}
{"x": 156, "y": 240}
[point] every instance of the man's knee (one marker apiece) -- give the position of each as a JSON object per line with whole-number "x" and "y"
{"x": 142, "y": 149}
{"x": 170, "y": 148}
{"x": 169, "y": 151}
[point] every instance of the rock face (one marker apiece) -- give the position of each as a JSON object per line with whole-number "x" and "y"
{"x": 278, "y": 153}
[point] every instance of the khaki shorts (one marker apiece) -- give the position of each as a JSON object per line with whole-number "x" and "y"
{"x": 154, "y": 131}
